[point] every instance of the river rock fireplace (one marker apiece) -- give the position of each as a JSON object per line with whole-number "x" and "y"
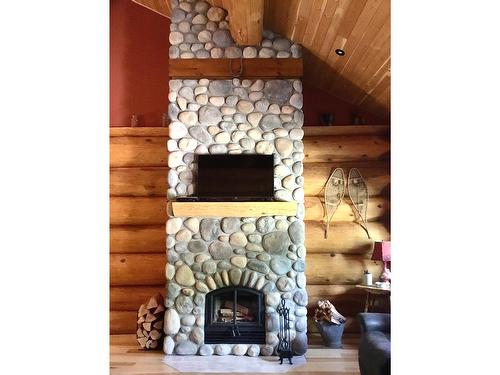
{"x": 227, "y": 274}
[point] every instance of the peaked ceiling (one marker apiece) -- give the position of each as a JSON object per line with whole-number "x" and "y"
{"x": 359, "y": 27}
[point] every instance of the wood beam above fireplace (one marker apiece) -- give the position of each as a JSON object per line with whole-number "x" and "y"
{"x": 231, "y": 209}
{"x": 230, "y": 68}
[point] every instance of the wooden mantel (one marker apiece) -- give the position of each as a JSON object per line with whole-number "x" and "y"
{"x": 231, "y": 68}
{"x": 231, "y": 209}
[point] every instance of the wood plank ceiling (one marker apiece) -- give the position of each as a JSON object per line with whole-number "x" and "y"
{"x": 359, "y": 27}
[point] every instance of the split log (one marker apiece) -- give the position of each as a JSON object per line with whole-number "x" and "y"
{"x": 122, "y": 322}
{"x": 138, "y": 151}
{"x": 138, "y": 239}
{"x": 149, "y": 321}
{"x": 137, "y": 210}
{"x": 378, "y": 207}
{"x": 339, "y": 269}
{"x": 343, "y": 237}
{"x": 146, "y": 131}
{"x": 138, "y": 182}
{"x": 343, "y": 148}
{"x": 312, "y": 130}
{"x": 137, "y": 269}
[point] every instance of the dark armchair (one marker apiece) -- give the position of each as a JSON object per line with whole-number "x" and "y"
{"x": 375, "y": 345}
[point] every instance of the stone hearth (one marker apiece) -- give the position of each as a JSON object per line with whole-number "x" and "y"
{"x": 261, "y": 253}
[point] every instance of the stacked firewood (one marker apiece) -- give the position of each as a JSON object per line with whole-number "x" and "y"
{"x": 150, "y": 323}
{"x": 326, "y": 311}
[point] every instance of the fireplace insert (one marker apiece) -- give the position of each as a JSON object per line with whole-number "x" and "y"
{"x": 234, "y": 315}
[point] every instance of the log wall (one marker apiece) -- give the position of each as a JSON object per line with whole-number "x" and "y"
{"x": 334, "y": 266}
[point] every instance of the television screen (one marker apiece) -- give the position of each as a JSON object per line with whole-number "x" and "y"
{"x": 236, "y": 175}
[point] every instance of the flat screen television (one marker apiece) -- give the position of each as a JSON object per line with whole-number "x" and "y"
{"x": 236, "y": 176}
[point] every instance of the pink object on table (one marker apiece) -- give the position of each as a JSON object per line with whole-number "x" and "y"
{"x": 382, "y": 251}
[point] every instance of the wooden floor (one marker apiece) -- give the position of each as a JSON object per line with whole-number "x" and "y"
{"x": 126, "y": 358}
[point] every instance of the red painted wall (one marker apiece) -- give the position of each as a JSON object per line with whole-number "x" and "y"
{"x": 317, "y": 102}
{"x": 138, "y": 64}
{"x": 139, "y": 72}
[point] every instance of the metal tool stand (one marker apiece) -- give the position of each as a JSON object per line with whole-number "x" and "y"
{"x": 284, "y": 346}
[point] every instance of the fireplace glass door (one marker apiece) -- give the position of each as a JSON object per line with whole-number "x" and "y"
{"x": 234, "y": 315}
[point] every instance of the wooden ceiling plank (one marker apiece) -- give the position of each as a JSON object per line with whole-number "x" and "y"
{"x": 377, "y": 47}
{"x": 337, "y": 20}
{"x": 316, "y": 14}
{"x": 328, "y": 24}
{"x": 159, "y": 6}
{"x": 344, "y": 29}
{"x": 291, "y": 17}
{"x": 376, "y": 69}
{"x": 378, "y": 64}
{"x": 361, "y": 39}
{"x": 357, "y": 19}
{"x": 364, "y": 48}
{"x": 382, "y": 85}
{"x": 379, "y": 103}
{"x": 385, "y": 68}
{"x": 302, "y": 18}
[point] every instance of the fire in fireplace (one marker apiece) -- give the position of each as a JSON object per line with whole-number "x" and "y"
{"x": 234, "y": 315}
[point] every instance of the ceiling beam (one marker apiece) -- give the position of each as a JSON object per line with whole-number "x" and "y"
{"x": 246, "y": 19}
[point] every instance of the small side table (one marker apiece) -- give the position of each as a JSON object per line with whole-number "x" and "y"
{"x": 371, "y": 293}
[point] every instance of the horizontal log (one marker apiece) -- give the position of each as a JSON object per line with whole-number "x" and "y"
{"x": 125, "y": 322}
{"x": 346, "y": 130}
{"x": 121, "y": 322}
{"x": 323, "y": 149}
{"x": 127, "y": 131}
{"x": 152, "y": 151}
{"x": 138, "y": 182}
{"x": 230, "y": 68}
{"x": 131, "y": 297}
{"x": 309, "y": 130}
{"x": 343, "y": 237}
{"x": 375, "y": 173}
{"x": 153, "y": 210}
{"x": 339, "y": 269}
{"x": 137, "y": 269}
{"x": 137, "y": 210}
{"x": 138, "y": 151}
{"x": 378, "y": 207}
{"x": 151, "y": 181}
{"x": 149, "y": 269}
{"x": 137, "y": 239}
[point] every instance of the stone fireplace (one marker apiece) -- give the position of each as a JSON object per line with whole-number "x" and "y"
{"x": 226, "y": 275}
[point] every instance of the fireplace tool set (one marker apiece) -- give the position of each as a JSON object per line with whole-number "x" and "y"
{"x": 284, "y": 346}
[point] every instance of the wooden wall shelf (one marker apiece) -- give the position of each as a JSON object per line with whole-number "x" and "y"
{"x": 232, "y": 209}
{"x": 229, "y": 68}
